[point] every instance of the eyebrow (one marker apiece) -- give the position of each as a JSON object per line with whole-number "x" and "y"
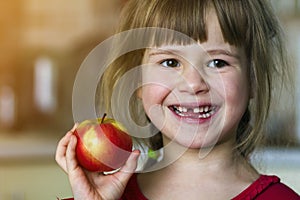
{"x": 163, "y": 52}
{"x": 178, "y": 52}
{"x": 223, "y": 52}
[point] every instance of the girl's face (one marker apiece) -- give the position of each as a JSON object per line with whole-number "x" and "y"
{"x": 196, "y": 94}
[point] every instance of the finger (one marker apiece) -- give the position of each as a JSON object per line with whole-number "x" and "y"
{"x": 71, "y": 161}
{"x": 129, "y": 168}
{"x": 61, "y": 150}
{"x": 63, "y": 143}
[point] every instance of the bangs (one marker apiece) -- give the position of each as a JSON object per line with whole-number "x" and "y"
{"x": 190, "y": 17}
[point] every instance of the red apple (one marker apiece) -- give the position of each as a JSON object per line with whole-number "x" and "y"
{"x": 102, "y": 144}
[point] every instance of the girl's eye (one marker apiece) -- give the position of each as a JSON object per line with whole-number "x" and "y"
{"x": 217, "y": 63}
{"x": 170, "y": 63}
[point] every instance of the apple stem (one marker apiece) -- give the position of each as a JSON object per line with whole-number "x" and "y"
{"x": 102, "y": 120}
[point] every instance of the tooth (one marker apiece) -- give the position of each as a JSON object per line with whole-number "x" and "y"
{"x": 201, "y": 109}
{"x": 180, "y": 114}
{"x": 184, "y": 109}
{"x": 196, "y": 110}
{"x": 179, "y": 109}
{"x": 206, "y": 108}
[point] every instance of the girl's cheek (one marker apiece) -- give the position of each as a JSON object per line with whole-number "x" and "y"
{"x": 159, "y": 76}
{"x": 153, "y": 96}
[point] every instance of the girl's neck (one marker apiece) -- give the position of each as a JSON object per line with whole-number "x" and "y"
{"x": 221, "y": 160}
{"x": 199, "y": 175}
{"x": 220, "y": 157}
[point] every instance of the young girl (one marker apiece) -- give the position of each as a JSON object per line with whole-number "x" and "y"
{"x": 199, "y": 92}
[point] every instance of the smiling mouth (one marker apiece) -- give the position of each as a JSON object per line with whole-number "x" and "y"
{"x": 200, "y": 112}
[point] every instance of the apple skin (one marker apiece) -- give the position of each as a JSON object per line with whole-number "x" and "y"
{"x": 102, "y": 145}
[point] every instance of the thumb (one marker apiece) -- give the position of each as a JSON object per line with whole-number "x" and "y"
{"x": 129, "y": 168}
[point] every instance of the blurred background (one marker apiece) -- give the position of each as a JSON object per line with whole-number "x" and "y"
{"x": 43, "y": 43}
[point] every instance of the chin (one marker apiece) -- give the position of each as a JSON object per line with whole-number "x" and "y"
{"x": 196, "y": 144}
{"x": 201, "y": 146}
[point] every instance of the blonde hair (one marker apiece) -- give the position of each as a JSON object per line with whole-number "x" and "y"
{"x": 249, "y": 24}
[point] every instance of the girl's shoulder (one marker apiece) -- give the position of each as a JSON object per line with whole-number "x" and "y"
{"x": 267, "y": 187}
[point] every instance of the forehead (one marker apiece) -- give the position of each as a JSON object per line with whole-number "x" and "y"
{"x": 214, "y": 32}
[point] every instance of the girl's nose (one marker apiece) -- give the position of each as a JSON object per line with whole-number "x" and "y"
{"x": 192, "y": 81}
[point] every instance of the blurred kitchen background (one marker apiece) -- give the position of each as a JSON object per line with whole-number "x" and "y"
{"x": 43, "y": 43}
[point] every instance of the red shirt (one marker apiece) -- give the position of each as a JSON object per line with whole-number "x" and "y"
{"x": 264, "y": 188}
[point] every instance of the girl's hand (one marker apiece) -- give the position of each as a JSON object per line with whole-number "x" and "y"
{"x": 92, "y": 185}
